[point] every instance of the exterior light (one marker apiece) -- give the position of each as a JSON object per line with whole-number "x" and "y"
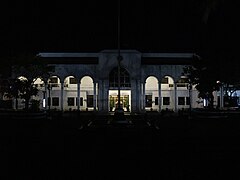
{"x": 44, "y": 103}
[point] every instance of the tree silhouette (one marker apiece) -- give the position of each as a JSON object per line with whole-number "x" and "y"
{"x": 201, "y": 75}
{"x": 31, "y": 67}
{"x": 21, "y": 88}
{"x": 14, "y": 86}
{"x": 219, "y": 61}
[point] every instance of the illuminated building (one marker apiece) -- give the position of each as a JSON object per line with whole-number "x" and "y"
{"x": 88, "y": 81}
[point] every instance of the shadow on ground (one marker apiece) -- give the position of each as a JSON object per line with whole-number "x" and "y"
{"x": 92, "y": 147}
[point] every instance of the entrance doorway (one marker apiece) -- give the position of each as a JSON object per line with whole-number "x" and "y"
{"x": 125, "y": 100}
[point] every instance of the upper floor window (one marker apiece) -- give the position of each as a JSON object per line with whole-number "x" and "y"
{"x": 164, "y": 80}
{"x": 182, "y": 82}
{"x": 53, "y": 80}
{"x": 72, "y": 80}
{"x": 124, "y": 78}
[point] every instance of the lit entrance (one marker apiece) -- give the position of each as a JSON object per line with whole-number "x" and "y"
{"x": 125, "y": 99}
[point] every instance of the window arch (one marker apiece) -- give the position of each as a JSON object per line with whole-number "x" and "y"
{"x": 54, "y": 81}
{"x": 124, "y": 78}
{"x": 182, "y": 82}
{"x": 87, "y": 93}
{"x": 167, "y": 82}
{"x": 151, "y": 93}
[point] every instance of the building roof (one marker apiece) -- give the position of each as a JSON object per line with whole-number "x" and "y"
{"x": 70, "y": 58}
{"x": 93, "y": 58}
{"x": 68, "y": 55}
{"x": 167, "y": 58}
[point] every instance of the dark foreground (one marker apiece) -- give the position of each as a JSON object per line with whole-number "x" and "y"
{"x": 166, "y": 148}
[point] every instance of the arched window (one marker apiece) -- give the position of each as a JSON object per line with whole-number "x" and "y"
{"x": 151, "y": 93}
{"x": 124, "y": 78}
{"x": 87, "y": 93}
{"x": 54, "y": 81}
{"x": 182, "y": 82}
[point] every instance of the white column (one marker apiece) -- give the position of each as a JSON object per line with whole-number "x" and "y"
{"x": 159, "y": 96}
{"x": 138, "y": 96}
{"x": 175, "y": 97}
{"x": 143, "y": 95}
{"x": 62, "y": 89}
{"x": 94, "y": 95}
{"x": 78, "y": 96}
{"x": 99, "y": 96}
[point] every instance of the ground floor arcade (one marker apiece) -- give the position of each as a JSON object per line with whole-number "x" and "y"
{"x": 86, "y": 94}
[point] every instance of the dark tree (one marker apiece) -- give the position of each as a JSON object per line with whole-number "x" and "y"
{"x": 31, "y": 67}
{"x": 202, "y": 75}
{"x": 219, "y": 64}
{"x": 21, "y": 88}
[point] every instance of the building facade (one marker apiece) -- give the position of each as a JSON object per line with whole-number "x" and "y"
{"x": 89, "y": 82}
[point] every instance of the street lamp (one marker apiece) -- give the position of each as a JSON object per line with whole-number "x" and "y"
{"x": 44, "y": 99}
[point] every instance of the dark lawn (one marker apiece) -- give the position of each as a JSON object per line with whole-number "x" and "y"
{"x": 170, "y": 148}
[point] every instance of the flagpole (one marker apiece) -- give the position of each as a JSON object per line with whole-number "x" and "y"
{"x": 119, "y": 112}
{"x": 119, "y": 56}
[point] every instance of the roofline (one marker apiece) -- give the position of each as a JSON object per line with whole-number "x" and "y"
{"x": 168, "y": 55}
{"x": 144, "y": 55}
{"x": 63, "y": 55}
{"x": 121, "y": 51}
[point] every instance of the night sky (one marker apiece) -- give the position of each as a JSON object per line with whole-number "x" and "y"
{"x": 91, "y": 26}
